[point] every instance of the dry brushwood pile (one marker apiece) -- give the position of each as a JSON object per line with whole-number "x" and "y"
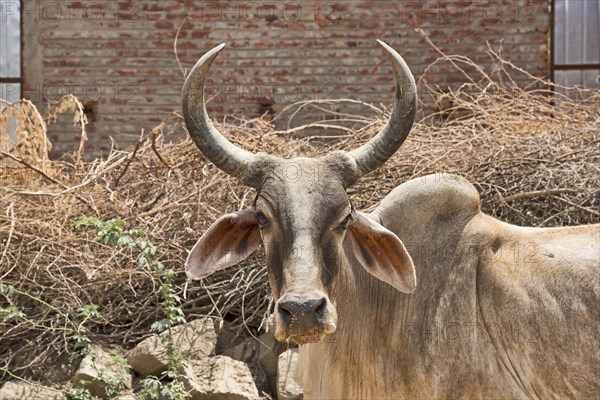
{"x": 534, "y": 155}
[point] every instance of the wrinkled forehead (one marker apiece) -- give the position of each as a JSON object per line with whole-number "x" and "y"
{"x": 311, "y": 185}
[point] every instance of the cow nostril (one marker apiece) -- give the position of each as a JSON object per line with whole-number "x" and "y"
{"x": 291, "y": 308}
{"x": 285, "y": 313}
{"x": 320, "y": 310}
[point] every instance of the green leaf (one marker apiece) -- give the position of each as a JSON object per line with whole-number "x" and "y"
{"x": 161, "y": 326}
{"x": 6, "y": 290}
{"x": 150, "y": 388}
{"x": 126, "y": 240}
{"x": 142, "y": 262}
{"x": 89, "y": 310}
{"x": 11, "y": 312}
{"x": 136, "y": 233}
{"x": 86, "y": 221}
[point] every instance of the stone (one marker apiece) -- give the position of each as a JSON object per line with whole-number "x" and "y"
{"x": 125, "y": 397}
{"x": 98, "y": 367}
{"x": 20, "y": 390}
{"x": 228, "y": 337}
{"x": 269, "y": 350}
{"x": 219, "y": 378}
{"x": 287, "y": 387}
{"x": 246, "y": 351}
{"x": 194, "y": 340}
{"x": 260, "y": 354}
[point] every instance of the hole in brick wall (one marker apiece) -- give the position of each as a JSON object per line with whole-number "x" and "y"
{"x": 265, "y": 108}
{"x": 89, "y": 109}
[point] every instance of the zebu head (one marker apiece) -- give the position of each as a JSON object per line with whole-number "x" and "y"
{"x": 302, "y": 213}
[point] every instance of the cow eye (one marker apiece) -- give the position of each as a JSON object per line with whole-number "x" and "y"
{"x": 262, "y": 220}
{"x": 346, "y": 221}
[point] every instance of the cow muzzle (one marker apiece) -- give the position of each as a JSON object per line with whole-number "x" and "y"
{"x": 304, "y": 319}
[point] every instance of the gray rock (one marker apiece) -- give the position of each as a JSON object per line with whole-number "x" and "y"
{"x": 19, "y": 390}
{"x": 246, "y": 351}
{"x": 194, "y": 340}
{"x": 127, "y": 396}
{"x": 228, "y": 337}
{"x": 261, "y": 354}
{"x": 287, "y": 387}
{"x": 269, "y": 350}
{"x": 219, "y": 378}
{"x": 96, "y": 369}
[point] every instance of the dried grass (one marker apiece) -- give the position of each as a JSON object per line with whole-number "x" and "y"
{"x": 533, "y": 154}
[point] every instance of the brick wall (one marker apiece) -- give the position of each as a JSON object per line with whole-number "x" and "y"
{"x": 117, "y": 56}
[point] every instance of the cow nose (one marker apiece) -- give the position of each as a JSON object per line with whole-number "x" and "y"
{"x": 303, "y": 314}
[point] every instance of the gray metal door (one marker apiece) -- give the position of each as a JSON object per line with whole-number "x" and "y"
{"x": 576, "y": 43}
{"x": 10, "y": 50}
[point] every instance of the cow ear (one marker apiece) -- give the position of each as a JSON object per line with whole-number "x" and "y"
{"x": 381, "y": 253}
{"x": 229, "y": 240}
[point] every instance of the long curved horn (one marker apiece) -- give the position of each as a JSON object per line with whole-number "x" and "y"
{"x": 382, "y": 146}
{"x": 209, "y": 140}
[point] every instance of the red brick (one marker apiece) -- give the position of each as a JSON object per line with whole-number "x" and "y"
{"x": 163, "y": 25}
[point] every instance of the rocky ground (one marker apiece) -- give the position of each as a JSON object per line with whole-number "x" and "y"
{"x": 215, "y": 367}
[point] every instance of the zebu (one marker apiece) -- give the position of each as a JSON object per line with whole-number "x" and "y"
{"x": 482, "y": 323}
